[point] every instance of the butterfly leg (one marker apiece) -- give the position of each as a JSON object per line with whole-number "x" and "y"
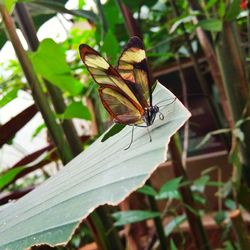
{"x": 150, "y": 138}
{"x": 132, "y": 138}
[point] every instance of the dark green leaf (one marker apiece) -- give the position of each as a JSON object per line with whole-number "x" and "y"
{"x": 214, "y": 25}
{"x": 228, "y": 246}
{"x": 9, "y": 96}
{"x": 49, "y": 61}
{"x": 200, "y": 183}
{"x": 210, "y": 4}
{"x": 172, "y": 245}
{"x": 170, "y": 189}
{"x": 111, "y": 46}
{"x": 113, "y": 131}
{"x": 112, "y": 15}
{"x": 233, "y": 11}
{"x": 148, "y": 190}
{"x": 133, "y": 216}
{"x": 173, "y": 224}
{"x": 77, "y": 110}
{"x": 38, "y": 130}
{"x": 9, "y": 176}
{"x": 229, "y": 203}
{"x": 59, "y": 7}
{"x": 220, "y": 217}
{"x": 135, "y": 5}
{"x": 199, "y": 199}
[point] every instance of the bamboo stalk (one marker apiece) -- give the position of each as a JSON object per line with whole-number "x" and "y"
{"x": 215, "y": 70}
{"x": 240, "y": 229}
{"x": 236, "y": 86}
{"x": 55, "y": 130}
{"x": 201, "y": 79}
{"x": 194, "y": 220}
{"x": 130, "y": 23}
{"x": 28, "y": 29}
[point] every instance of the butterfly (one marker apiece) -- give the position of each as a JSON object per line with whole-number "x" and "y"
{"x": 125, "y": 90}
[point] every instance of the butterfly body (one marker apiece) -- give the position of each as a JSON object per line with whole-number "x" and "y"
{"x": 125, "y": 91}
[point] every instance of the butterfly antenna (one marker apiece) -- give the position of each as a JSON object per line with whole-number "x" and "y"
{"x": 132, "y": 138}
{"x": 174, "y": 99}
{"x": 150, "y": 138}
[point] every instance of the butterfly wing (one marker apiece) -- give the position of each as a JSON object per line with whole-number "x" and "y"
{"x": 133, "y": 66}
{"x": 105, "y": 75}
{"x": 120, "y": 108}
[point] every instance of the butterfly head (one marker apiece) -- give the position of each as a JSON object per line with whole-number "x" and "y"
{"x": 149, "y": 115}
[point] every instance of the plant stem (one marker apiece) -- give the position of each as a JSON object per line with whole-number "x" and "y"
{"x": 157, "y": 221}
{"x": 55, "y": 130}
{"x": 201, "y": 79}
{"x": 130, "y": 22}
{"x": 194, "y": 219}
{"x": 240, "y": 229}
{"x": 236, "y": 86}
{"x": 26, "y": 23}
{"x": 102, "y": 18}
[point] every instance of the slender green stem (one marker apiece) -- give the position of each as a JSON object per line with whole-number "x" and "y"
{"x": 55, "y": 130}
{"x": 157, "y": 221}
{"x": 201, "y": 79}
{"x": 240, "y": 229}
{"x": 103, "y": 20}
{"x": 26, "y": 23}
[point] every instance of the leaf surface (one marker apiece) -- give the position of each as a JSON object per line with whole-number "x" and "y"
{"x": 104, "y": 173}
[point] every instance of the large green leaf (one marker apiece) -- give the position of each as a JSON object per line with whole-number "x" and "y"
{"x": 104, "y": 173}
{"x": 49, "y": 61}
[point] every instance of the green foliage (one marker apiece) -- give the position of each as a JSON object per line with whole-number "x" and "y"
{"x": 214, "y": 25}
{"x": 133, "y": 216}
{"x": 170, "y": 189}
{"x": 8, "y": 176}
{"x": 9, "y": 4}
{"x": 111, "y": 46}
{"x": 76, "y": 110}
{"x": 175, "y": 222}
{"x": 233, "y": 10}
{"x": 148, "y": 190}
{"x": 38, "y": 130}
{"x": 8, "y": 97}
{"x": 172, "y": 245}
{"x": 58, "y": 6}
{"x": 49, "y": 62}
{"x": 113, "y": 131}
